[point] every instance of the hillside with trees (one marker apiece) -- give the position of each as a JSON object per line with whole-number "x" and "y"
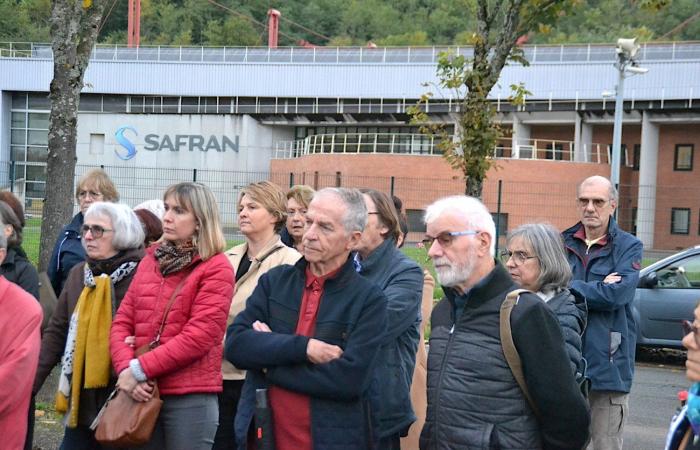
{"x": 355, "y": 22}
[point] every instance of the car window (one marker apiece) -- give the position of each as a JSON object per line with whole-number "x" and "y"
{"x": 683, "y": 274}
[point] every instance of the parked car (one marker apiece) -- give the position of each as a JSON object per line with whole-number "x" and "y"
{"x": 667, "y": 293}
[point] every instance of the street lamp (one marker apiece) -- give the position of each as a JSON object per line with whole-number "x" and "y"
{"x": 627, "y": 66}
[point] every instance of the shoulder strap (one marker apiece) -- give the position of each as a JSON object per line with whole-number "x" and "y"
{"x": 509, "y": 350}
{"x": 169, "y": 305}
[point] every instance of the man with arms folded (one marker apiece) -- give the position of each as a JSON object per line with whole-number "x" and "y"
{"x": 310, "y": 334}
{"x": 474, "y": 400}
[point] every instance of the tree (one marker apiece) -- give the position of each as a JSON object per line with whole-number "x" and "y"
{"x": 74, "y": 26}
{"x": 498, "y": 27}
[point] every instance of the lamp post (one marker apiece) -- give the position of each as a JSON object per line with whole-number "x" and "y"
{"x": 626, "y": 63}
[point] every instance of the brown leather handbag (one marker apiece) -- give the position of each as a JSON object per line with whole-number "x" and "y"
{"x": 124, "y": 422}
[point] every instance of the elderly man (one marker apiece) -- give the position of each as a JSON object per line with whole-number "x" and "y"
{"x": 401, "y": 279}
{"x": 474, "y": 400}
{"x": 311, "y": 334}
{"x": 20, "y": 342}
{"x": 605, "y": 262}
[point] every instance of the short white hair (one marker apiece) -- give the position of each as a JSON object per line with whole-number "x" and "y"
{"x": 470, "y": 209}
{"x": 128, "y": 231}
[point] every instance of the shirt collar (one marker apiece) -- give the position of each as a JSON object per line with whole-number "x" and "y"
{"x": 319, "y": 280}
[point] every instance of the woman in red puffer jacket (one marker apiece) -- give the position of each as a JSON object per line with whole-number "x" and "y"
{"x": 187, "y": 363}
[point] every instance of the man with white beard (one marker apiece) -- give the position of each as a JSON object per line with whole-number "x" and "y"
{"x": 474, "y": 400}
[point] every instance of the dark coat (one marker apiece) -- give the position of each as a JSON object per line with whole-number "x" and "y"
{"x": 343, "y": 392}
{"x": 17, "y": 269}
{"x": 473, "y": 398}
{"x": 53, "y": 342}
{"x": 611, "y": 335}
{"x": 401, "y": 280}
{"x": 67, "y": 252}
{"x": 571, "y": 312}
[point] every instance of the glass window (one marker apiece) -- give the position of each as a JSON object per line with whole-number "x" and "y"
{"x": 90, "y": 103}
{"x": 189, "y": 104}
{"x": 18, "y": 153}
{"x": 114, "y": 103}
{"x": 170, "y": 104}
{"x": 683, "y": 274}
{"x": 37, "y": 154}
{"x": 137, "y": 104}
{"x": 39, "y": 101}
{"x": 19, "y": 101}
{"x": 36, "y": 173}
{"x": 35, "y": 190}
{"x": 18, "y": 136}
{"x": 19, "y": 120}
{"x": 39, "y": 121}
{"x": 683, "y": 159}
{"x": 680, "y": 220}
{"x": 37, "y": 137}
{"x": 637, "y": 151}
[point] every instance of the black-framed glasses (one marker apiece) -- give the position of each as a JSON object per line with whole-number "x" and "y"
{"x": 597, "y": 202}
{"x": 519, "y": 257}
{"x": 445, "y": 239}
{"x": 690, "y": 327}
{"x": 96, "y": 230}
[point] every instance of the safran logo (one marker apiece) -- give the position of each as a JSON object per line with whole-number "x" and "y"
{"x": 126, "y": 143}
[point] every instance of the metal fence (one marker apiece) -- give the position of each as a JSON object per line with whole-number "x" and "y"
{"x": 667, "y": 51}
{"x": 675, "y": 213}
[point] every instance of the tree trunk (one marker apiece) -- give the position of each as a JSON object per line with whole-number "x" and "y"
{"x": 473, "y": 187}
{"x": 74, "y": 26}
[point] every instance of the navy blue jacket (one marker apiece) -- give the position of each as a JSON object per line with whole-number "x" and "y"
{"x": 610, "y": 338}
{"x": 344, "y": 392}
{"x": 67, "y": 252}
{"x": 401, "y": 279}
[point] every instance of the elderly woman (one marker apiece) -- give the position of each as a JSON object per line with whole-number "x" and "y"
{"x": 537, "y": 261}
{"x": 16, "y": 267}
{"x": 93, "y": 186}
{"x": 298, "y": 199}
{"x": 261, "y": 215}
{"x": 78, "y": 333}
{"x": 188, "y": 271}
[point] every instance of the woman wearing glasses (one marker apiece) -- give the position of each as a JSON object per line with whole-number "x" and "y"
{"x": 78, "y": 332}
{"x": 185, "y": 283}
{"x": 94, "y": 186}
{"x": 536, "y": 260}
{"x": 298, "y": 199}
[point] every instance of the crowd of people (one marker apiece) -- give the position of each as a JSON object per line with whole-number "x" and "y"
{"x": 321, "y": 311}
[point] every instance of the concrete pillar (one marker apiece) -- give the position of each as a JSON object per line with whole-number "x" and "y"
{"x": 5, "y": 115}
{"x": 583, "y": 140}
{"x": 521, "y": 135}
{"x": 646, "y": 204}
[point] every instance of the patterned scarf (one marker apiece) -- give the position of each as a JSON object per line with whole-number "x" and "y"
{"x": 87, "y": 346}
{"x": 173, "y": 258}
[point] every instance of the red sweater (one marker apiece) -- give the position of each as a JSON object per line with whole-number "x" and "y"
{"x": 20, "y": 342}
{"x": 291, "y": 412}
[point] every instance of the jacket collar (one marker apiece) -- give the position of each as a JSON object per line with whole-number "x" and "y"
{"x": 10, "y": 257}
{"x": 271, "y": 247}
{"x": 377, "y": 258}
{"x": 345, "y": 276}
{"x": 76, "y": 223}
{"x": 613, "y": 228}
{"x": 493, "y": 284}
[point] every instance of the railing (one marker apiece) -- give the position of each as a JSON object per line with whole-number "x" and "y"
{"x": 669, "y": 51}
{"x": 420, "y": 144}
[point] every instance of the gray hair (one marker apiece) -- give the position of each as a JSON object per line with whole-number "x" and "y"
{"x": 355, "y": 217}
{"x": 3, "y": 239}
{"x": 128, "y": 231}
{"x": 471, "y": 210}
{"x": 612, "y": 192}
{"x": 546, "y": 243}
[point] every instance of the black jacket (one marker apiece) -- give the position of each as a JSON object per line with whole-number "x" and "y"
{"x": 17, "y": 269}
{"x": 401, "y": 280}
{"x": 343, "y": 393}
{"x": 473, "y": 398}
{"x": 571, "y": 312}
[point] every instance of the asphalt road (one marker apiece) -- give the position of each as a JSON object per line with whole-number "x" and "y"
{"x": 653, "y": 401}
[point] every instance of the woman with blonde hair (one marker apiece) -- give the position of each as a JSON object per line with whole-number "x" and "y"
{"x": 298, "y": 199}
{"x": 187, "y": 283}
{"x": 94, "y": 186}
{"x": 261, "y": 215}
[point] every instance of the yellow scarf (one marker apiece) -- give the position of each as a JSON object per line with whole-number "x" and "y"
{"x": 91, "y": 354}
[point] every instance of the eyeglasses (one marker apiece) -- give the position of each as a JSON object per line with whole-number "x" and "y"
{"x": 597, "y": 202}
{"x": 96, "y": 230}
{"x": 445, "y": 239}
{"x": 689, "y": 327}
{"x": 518, "y": 257}
{"x": 92, "y": 194}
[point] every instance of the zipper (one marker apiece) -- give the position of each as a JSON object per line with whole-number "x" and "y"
{"x": 439, "y": 386}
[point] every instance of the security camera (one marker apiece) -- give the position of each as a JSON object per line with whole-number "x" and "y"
{"x": 627, "y": 46}
{"x": 637, "y": 70}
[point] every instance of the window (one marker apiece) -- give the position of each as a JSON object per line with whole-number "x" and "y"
{"x": 554, "y": 151}
{"x": 683, "y": 274}
{"x": 683, "y": 159}
{"x": 636, "y": 151}
{"x": 680, "y": 220}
